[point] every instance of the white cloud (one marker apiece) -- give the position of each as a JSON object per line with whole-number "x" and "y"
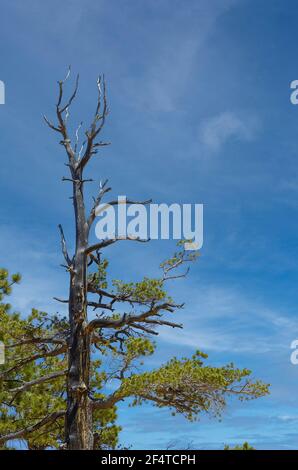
{"x": 219, "y": 129}
{"x": 214, "y": 339}
{"x": 224, "y": 319}
{"x": 288, "y": 418}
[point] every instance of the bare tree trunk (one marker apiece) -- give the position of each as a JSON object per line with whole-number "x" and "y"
{"x": 79, "y": 419}
{"x": 78, "y": 425}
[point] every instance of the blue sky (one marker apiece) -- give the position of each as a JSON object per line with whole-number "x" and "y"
{"x": 200, "y": 113}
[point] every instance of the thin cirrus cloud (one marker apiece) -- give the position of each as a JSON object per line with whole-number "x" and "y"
{"x": 167, "y": 71}
{"x": 217, "y": 131}
{"x": 225, "y": 319}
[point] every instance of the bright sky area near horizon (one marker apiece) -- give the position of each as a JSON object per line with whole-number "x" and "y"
{"x": 199, "y": 93}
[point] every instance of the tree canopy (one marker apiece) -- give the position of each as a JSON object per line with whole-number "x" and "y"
{"x": 33, "y": 379}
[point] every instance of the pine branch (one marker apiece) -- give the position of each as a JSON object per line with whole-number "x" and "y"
{"x": 49, "y": 419}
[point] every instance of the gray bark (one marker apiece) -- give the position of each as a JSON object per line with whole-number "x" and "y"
{"x": 78, "y": 423}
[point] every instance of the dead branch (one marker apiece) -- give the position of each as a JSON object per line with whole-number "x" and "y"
{"x": 51, "y": 418}
{"x": 63, "y": 245}
{"x": 105, "y": 243}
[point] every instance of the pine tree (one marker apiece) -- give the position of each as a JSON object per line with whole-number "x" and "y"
{"x": 53, "y": 386}
{"x": 244, "y": 446}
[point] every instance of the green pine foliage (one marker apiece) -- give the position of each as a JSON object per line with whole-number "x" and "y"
{"x": 33, "y": 378}
{"x": 244, "y": 446}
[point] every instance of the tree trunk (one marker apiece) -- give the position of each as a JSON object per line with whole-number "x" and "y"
{"x": 79, "y": 419}
{"x": 78, "y": 423}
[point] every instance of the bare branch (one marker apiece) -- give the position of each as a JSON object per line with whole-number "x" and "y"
{"x": 177, "y": 276}
{"x": 95, "y": 128}
{"x": 96, "y": 305}
{"x": 165, "y": 323}
{"x": 111, "y": 203}
{"x": 128, "y": 201}
{"x": 80, "y": 181}
{"x": 51, "y": 418}
{"x": 115, "y": 297}
{"x": 130, "y": 319}
{"x": 27, "y": 385}
{"x": 61, "y": 127}
{"x": 35, "y": 341}
{"x": 64, "y": 248}
{"x": 72, "y": 96}
{"x": 145, "y": 329}
{"x": 63, "y": 301}
{"x": 103, "y": 189}
{"x": 52, "y": 126}
{"x": 105, "y": 243}
{"x": 77, "y": 136}
{"x": 106, "y": 403}
{"x": 68, "y": 74}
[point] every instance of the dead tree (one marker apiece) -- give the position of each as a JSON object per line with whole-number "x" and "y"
{"x": 185, "y": 386}
{"x": 78, "y": 422}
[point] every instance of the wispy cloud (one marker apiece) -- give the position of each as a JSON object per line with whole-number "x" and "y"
{"x": 164, "y": 80}
{"x": 169, "y": 65}
{"x": 225, "y": 319}
{"x": 216, "y": 131}
{"x": 288, "y": 418}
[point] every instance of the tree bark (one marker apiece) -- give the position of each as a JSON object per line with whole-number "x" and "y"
{"x": 79, "y": 419}
{"x": 78, "y": 423}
